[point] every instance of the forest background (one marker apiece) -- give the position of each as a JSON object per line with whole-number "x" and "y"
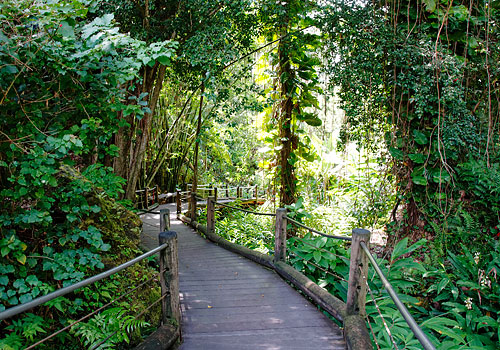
{"x": 382, "y": 115}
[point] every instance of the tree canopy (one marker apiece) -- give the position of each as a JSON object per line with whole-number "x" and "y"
{"x": 349, "y": 113}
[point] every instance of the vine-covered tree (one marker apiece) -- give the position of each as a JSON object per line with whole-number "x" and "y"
{"x": 294, "y": 84}
{"x": 422, "y": 77}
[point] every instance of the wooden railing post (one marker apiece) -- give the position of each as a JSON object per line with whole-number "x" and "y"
{"x": 193, "y": 206}
{"x": 238, "y": 192}
{"x": 280, "y": 235}
{"x": 178, "y": 201}
{"x": 358, "y": 270}
{"x": 211, "y": 214}
{"x": 256, "y": 193}
{"x": 169, "y": 278}
{"x": 215, "y": 194}
{"x": 164, "y": 220}
{"x": 157, "y": 195}
{"x": 227, "y": 190}
{"x": 146, "y": 198}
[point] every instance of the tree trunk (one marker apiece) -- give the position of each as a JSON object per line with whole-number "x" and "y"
{"x": 197, "y": 144}
{"x": 286, "y": 135}
{"x": 129, "y": 162}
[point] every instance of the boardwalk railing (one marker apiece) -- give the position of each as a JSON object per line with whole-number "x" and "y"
{"x": 243, "y": 193}
{"x": 146, "y": 197}
{"x": 169, "y": 282}
{"x": 351, "y": 313}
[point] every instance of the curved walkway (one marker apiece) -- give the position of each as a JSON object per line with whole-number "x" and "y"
{"x": 229, "y": 302}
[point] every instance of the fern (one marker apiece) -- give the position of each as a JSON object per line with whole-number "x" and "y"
{"x": 112, "y": 323}
{"x": 11, "y": 342}
{"x": 440, "y": 243}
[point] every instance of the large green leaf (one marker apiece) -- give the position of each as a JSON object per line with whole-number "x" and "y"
{"x": 66, "y": 30}
{"x": 396, "y": 153}
{"x": 310, "y": 119}
{"x": 418, "y": 158}
{"x": 445, "y": 326}
{"x": 420, "y": 137}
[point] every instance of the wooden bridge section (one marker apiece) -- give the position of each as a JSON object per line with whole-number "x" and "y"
{"x": 230, "y": 302}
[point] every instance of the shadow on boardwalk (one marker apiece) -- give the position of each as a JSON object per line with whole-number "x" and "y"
{"x": 229, "y": 302}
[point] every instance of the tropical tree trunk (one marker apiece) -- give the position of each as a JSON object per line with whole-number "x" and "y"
{"x": 128, "y": 164}
{"x": 197, "y": 147}
{"x": 287, "y": 138}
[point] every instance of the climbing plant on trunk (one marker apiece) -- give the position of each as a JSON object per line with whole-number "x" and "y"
{"x": 294, "y": 84}
{"x": 422, "y": 78}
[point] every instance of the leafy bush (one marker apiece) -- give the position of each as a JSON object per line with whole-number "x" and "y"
{"x": 323, "y": 260}
{"x": 64, "y": 82}
{"x": 249, "y": 230}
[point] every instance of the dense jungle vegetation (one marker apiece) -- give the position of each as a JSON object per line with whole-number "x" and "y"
{"x": 383, "y": 115}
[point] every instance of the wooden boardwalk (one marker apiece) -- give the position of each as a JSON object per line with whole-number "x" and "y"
{"x": 229, "y": 302}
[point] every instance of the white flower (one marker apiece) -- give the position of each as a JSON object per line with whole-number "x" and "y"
{"x": 485, "y": 282}
{"x": 468, "y": 303}
{"x": 477, "y": 255}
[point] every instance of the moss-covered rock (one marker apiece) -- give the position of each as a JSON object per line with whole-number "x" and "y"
{"x": 120, "y": 227}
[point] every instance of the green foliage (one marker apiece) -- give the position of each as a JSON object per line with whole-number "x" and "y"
{"x": 430, "y": 100}
{"x": 249, "y": 230}
{"x": 64, "y": 79}
{"x": 296, "y": 211}
{"x": 104, "y": 178}
{"x": 456, "y": 304}
{"x": 325, "y": 261}
{"x": 107, "y": 328}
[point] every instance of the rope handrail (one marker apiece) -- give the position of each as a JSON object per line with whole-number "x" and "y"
{"x": 358, "y": 239}
{"x": 135, "y": 317}
{"x": 13, "y": 311}
{"x": 156, "y": 275}
{"x": 316, "y": 231}
{"x": 415, "y": 328}
{"x": 245, "y": 210}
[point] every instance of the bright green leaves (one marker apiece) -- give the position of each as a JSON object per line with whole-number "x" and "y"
{"x": 161, "y": 52}
{"x": 396, "y": 153}
{"x": 97, "y": 25}
{"x": 422, "y": 175}
{"x": 314, "y": 255}
{"x": 13, "y": 249}
{"x": 91, "y": 235}
{"x": 109, "y": 328}
{"x": 418, "y": 158}
{"x": 430, "y": 5}
{"x": 418, "y": 176}
{"x": 297, "y": 211}
{"x": 401, "y": 248}
{"x": 311, "y": 119}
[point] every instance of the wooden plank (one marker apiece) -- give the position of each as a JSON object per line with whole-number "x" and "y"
{"x": 230, "y": 302}
{"x": 271, "y": 322}
{"x": 228, "y": 316}
{"x": 288, "y": 339}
